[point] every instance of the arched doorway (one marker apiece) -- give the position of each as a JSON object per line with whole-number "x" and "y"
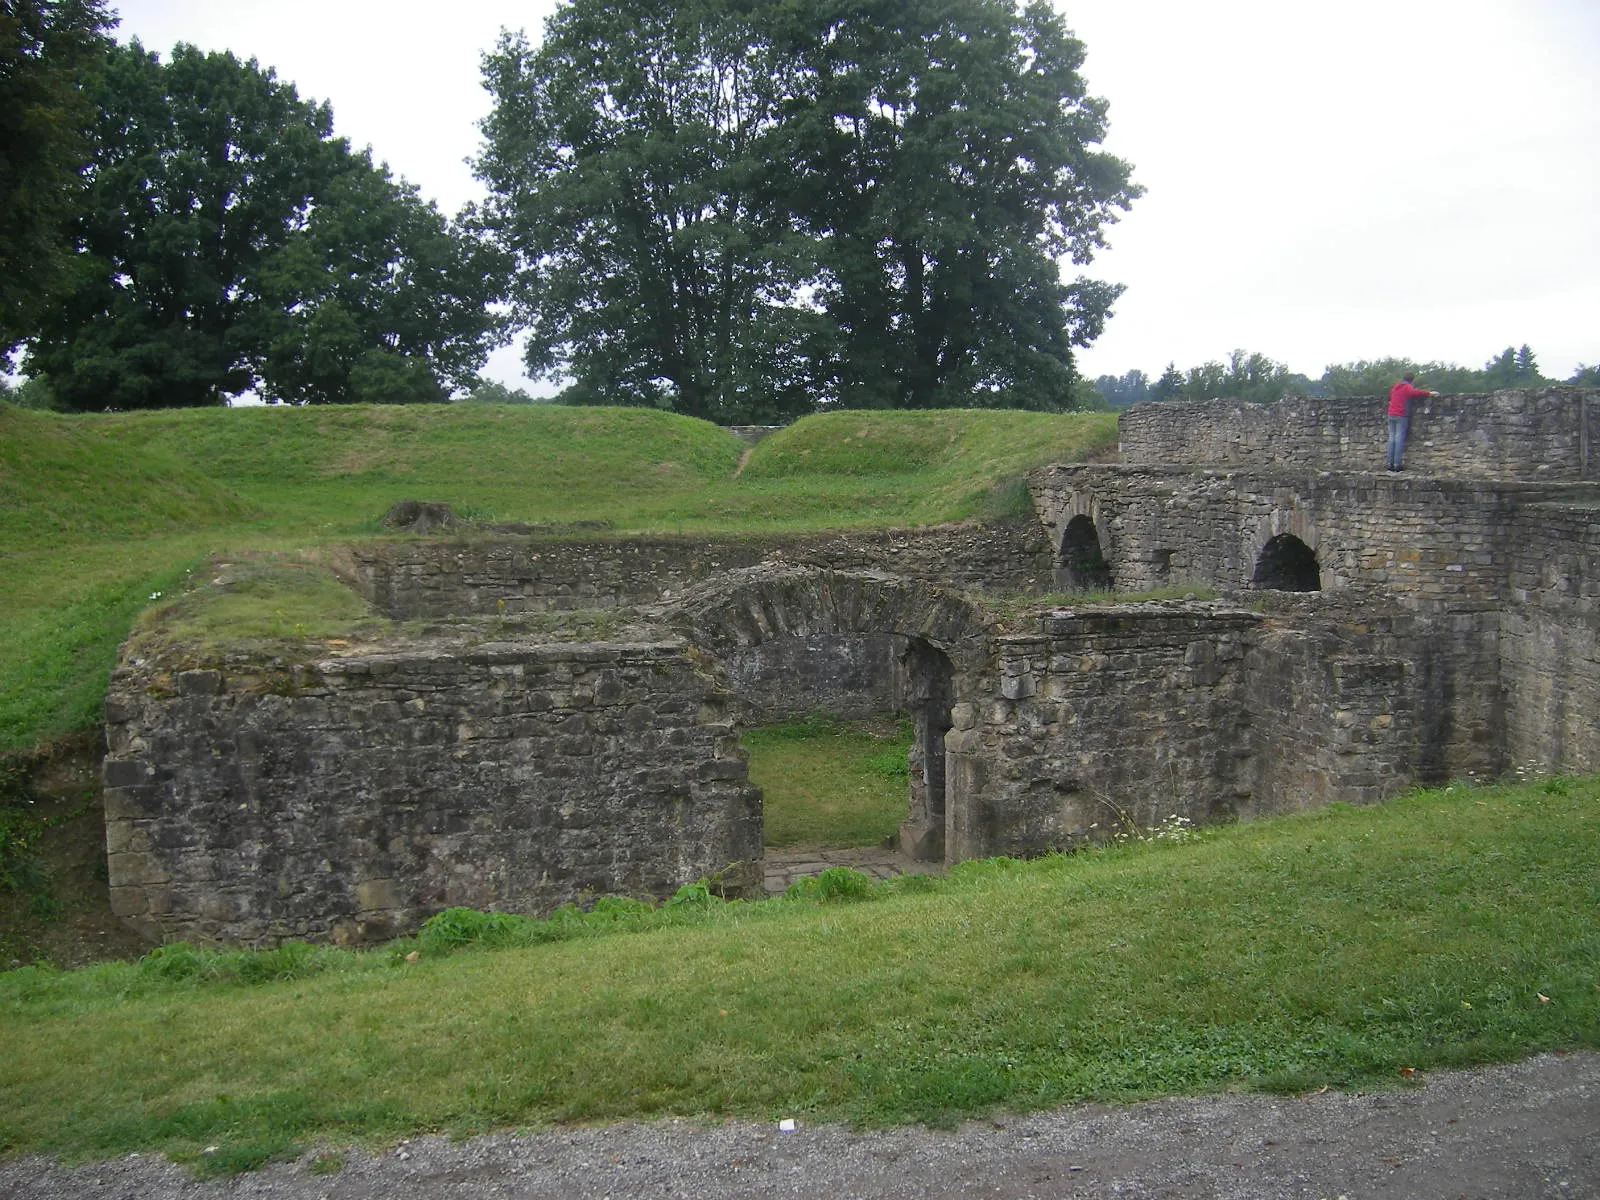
{"x": 1081, "y": 566}
{"x": 1286, "y": 564}
{"x": 782, "y": 637}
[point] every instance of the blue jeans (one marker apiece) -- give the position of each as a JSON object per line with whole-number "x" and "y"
{"x": 1397, "y": 440}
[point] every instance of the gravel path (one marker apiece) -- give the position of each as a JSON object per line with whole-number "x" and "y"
{"x": 1524, "y": 1131}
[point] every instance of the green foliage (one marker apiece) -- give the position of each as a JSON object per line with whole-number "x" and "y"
{"x": 1331, "y": 948}
{"x": 489, "y": 391}
{"x": 20, "y": 827}
{"x": 1374, "y": 378}
{"x": 1254, "y": 377}
{"x": 791, "y": 207}
{"x": 1512, "y": 367}
{"x": 48, "y": 51}
{"x": 834, "y": 885}
{"x": 226, "y": 241}
{"x": 1251, "y": 377}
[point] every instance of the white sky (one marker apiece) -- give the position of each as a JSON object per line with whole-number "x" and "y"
{"x": 1324, "y": 182}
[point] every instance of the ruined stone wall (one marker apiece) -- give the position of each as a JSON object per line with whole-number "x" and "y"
{"x": 847, "y": 676}
{"x": 1104, "y": 715}
{"x": 427, "y": 578}
{"x": 1550, "y": 640}
{"x": 1540, "y": 434}
{"x": 350, "y": 800}
{"x": 1433, "y": 543}
{"x": 1334, "y": 707}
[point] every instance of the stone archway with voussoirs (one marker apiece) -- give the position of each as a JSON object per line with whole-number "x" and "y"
{"x": 940, "y": 641}
{"x": 1286, "y": 552}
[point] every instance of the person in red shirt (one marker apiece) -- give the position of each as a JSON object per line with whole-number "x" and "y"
{"x": 1400, "y": 397}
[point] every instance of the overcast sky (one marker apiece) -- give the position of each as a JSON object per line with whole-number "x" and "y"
{"x": 1324, "y": 182}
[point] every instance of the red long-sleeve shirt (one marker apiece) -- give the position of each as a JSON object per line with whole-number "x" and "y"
{"x": 1401, "y": 395}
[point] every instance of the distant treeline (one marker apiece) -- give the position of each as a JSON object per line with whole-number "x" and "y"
{"x": 1257, "y": 378}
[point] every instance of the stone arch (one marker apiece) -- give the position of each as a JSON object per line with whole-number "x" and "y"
{"x": 1081, "y": 565}
{"x": 754, "y": 604}
{"x": 1286, "y": 521}
{"x": 938, "y": 639}
{"x": 1287, "y": 564}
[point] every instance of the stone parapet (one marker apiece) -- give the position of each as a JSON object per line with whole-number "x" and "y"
{"x": 1542, "y": 434}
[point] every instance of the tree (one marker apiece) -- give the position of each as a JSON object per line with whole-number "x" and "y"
{"x": 376, "y": 298}
{"x": 1511, "y": 368}
{"x": 1586, "y": 376}
{"x": 1375, "y": 377}
{"x": 491, "y": 391}
{"x": 48, "y": 49}
{"x": 1124, "y": 392}
{"x": 942, "y": 159}
{"x": 227, "y": 241}
{"x": 1170, "y": 385}
{"x": 625, "y": 164}
{"x": 1247, "y": 376}
{"x": 743, "y": 211}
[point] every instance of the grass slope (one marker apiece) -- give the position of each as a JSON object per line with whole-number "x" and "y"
{"x": 103, "y": 511}
{"x": 1336, "y": 947}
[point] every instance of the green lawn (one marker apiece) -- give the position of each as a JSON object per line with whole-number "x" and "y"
{"x": 1337, "y": 947}
{"x": 830, "y": 784}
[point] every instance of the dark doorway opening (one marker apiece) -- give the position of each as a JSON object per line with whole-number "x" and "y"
{"x": 1082, "y": 567}
{"x": 928, "y": 697}
{"x": 1286, "y": 564}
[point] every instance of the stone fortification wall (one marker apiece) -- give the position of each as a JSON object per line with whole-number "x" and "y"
{"x": 1550, "y": 639}
{"x": 1137, "y": 714}
{"x": 1536, "y": 434}
{"x": 427, "y": 578}
{"x": 1124, "y": 713}
{"x": 349, "y": 799}
{"x": 1433, "y": 543}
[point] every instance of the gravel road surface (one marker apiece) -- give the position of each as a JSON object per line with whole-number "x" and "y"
{"x": 1524, "y": 1131}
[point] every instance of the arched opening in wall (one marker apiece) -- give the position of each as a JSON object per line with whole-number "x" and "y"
{"x": 1081, "y": 566}
{"x": 1286, "y": 564}
{"x": 845, "y": 737}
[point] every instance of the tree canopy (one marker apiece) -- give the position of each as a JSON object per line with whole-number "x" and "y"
{"x": 227, "y": 242}
{"x": 1252, "y": 376}
{"x": 48, "y": 51}
{"x": 744, "y": 211}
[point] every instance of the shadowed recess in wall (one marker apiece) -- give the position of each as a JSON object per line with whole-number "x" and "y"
{"x": 1286, "y": 564}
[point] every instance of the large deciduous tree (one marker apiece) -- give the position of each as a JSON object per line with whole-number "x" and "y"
{"x": 227, "y": 242}
{"x": 48, "y": 50}
{"x": 746, "y": 210}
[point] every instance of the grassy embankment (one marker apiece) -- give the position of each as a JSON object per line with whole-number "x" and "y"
{"x": 1346, "y": 946}
{"x": 98, "y": 513}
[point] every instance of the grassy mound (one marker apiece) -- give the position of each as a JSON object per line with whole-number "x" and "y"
{"x": 62, "y": 480}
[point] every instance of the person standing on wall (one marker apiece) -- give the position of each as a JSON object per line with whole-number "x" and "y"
{"x": 1400, "y": 397}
